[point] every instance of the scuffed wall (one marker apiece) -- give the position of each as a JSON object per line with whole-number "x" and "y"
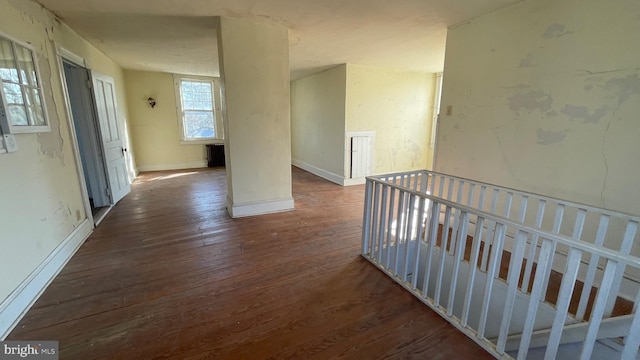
{"x": 398, "y": 105}
{"x": 318, "y": 120}
{"x": 544, "y": 96}
{"x": 39, "y": 187}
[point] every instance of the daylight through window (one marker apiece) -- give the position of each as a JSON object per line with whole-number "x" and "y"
{"x": 197, "y": 98}
{"x": 21, "y": 88}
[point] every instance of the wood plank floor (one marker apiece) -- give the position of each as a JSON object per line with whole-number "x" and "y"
{"x": 169, "y": 275}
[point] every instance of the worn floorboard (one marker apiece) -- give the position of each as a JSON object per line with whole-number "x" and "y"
{"x": 169, "y": 275}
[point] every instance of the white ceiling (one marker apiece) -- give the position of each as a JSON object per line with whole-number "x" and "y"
{"x": 178, "y": 35}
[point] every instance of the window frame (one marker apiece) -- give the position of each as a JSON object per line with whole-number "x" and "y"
{"x": 25, "y": 129}
{"x": 216, "y": 105}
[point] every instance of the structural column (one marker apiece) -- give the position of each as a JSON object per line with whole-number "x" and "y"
{"x": 254, "y": 72}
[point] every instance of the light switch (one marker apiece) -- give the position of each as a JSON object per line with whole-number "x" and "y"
{"x": 10, "y": 143}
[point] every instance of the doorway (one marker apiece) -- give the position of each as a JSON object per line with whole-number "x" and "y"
{"x": 86, "y": 125}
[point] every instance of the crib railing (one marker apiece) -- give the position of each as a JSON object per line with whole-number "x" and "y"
{"x": 487, "y": 258}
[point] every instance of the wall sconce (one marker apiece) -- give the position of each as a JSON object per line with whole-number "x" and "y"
{"x": 152, "y": 102}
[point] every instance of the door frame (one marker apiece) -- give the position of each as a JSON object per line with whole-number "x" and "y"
{"x": 62, "y": 54}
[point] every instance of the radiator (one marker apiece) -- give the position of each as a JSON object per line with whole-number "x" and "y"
{"x": 215, "y": 155}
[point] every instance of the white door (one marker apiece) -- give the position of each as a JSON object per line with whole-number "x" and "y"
{"x": 361, "y": 151}
{"x": 111, "y": 134}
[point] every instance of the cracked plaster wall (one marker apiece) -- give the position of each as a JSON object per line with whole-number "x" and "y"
{"x": 39, "y": 187}
{"x": 545, "y": 97}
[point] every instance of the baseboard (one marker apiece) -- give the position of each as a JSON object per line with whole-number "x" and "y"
{"x": 356, "y": 181}
{"x": 258, "y": 208}
{"x": 334, "y": 178}
{"x": 16, "y": 305}
{"x": 181, "y": 166}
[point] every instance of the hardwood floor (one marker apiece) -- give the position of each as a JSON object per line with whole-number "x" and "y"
{"x": 169, "y": 275}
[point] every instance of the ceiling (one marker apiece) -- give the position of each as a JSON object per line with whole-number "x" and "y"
{"x": 178, "y": 36}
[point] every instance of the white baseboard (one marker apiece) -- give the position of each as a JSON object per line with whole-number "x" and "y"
{"x": 356, "y": 181}
{"x": 334, "y": 178}
{"x": 16, "y": 305}
{"x": 258, "y": 208}
{"x": 181, "y": 166}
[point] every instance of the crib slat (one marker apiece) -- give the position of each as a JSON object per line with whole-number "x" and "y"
{"x": 545, "y": 259}
{"x": 444, "y": 239}
{"x": 494, "y": 263}
{"x": 366, "y": 218}
{"x": 433, "y": 235}
{"x": 515, "y": 264}
{"x": 531, "y": 254}
{"x": 473, "y": 267}
{"x": 459, "y": 257}
{"x": 598, "y": 309}
{"x": 562, "y": 304}
{"x": 382, "y": 229}
{"x": 625, "y": 248}
{"x": 392, "y": 199}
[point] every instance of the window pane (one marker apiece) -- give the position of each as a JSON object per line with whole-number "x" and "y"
{"x": 36, "y": 114}
{"x": 26, "y": 65}
{"x": 8, "y": 70}
{"x": 199, "y": 124}
{"x": 196, "y": 95}
{"x": 13, "y": 93}
{"x": 17, "y": 115}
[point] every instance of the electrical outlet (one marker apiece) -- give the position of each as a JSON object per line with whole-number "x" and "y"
{"x": 10, "y": 143}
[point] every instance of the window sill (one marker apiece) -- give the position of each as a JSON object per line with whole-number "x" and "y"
{"x": 15, "y": 129}
{"x": 202, "y": 142}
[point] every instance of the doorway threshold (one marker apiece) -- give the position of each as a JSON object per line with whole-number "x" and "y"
{"x": 101, "y": 214}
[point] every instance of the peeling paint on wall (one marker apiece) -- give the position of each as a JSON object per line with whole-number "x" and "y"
{"x": 555, "y": 30}
{"x": 581, "y": 112}
{"x": 527, "y": 61}
{"x": 530, "y": 101}
{"x": 548, "y": 137}
{"x": 624, "y": 87}
{"x": 51, "y": 143}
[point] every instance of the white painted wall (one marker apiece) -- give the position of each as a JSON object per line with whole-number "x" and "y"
{"x": 318, "y": 121}
{"x": 155, "y": 132}
{"x": 254, "y": 69}
{"x": 40, "y": 194}
{"x": 545, "y": 97}
{"x": 398, "y": 106}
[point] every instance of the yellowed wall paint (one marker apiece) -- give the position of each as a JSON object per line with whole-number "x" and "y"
{"x": 545, "y": 97}
{"x": 254, "y": 68}
{"x": 39, "y": 188}
{"x": 318, "y": 120}
{"x": 397, "y": 105}
{"x": 155, "y": 131}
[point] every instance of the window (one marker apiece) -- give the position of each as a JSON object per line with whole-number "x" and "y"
{"x": 197, "y": 98}
{"x": 21, "y": 90}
